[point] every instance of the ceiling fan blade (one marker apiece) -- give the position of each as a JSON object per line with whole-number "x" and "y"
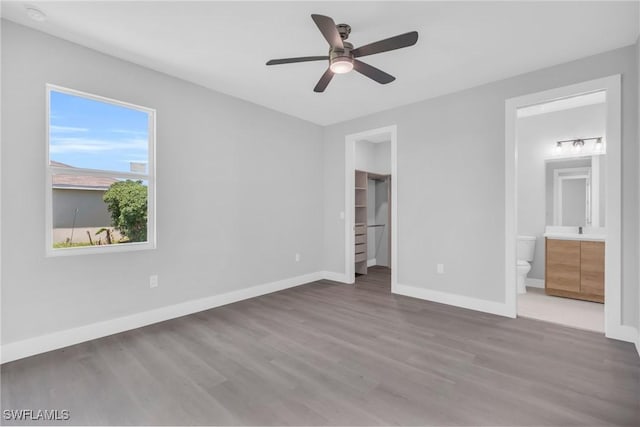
{"x": 372, "y": 72}
{"x": 328, "y": 29}
{"x": 324, "y": 81}
{"x": 294, "y": 60}
{"x": 392, "y": 43}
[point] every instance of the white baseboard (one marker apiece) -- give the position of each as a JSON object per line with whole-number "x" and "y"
{"x": 623, "y": 333}
{"x": 29, "y": 347}
{"x": 534, "y": 283}
{"x": 485, "y": 306}
{"x": 335, "y": 277}
{"x": 60, "y": 339}
{"x": 371, "y": 262}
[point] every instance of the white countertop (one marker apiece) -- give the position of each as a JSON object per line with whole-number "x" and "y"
{"x": 576, "y": 236}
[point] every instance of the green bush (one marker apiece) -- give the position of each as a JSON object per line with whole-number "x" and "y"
{"x": 127, "y": 204}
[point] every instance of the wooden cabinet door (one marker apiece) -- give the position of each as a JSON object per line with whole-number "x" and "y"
{"x": 563, "y": 265}
{"x": 592, "y": 268}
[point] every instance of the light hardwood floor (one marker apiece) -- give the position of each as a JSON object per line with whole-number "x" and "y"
{"x": 334, "y": 354}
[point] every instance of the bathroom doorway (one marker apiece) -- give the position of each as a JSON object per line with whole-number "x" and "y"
{"x": 563, "y": 206}
{"x": 370, "y": 209}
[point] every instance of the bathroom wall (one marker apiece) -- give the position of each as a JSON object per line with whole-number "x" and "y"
{"x": 536, "y": 141}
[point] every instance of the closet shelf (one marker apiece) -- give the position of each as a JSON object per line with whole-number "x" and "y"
{"x": 360, "y": 230}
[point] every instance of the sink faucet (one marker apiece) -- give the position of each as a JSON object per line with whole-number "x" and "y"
{"x": 579, "y": 230}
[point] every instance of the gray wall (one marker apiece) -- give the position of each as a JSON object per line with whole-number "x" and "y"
{"x": 92, "y": 210}
{"x": 638, "y": 143}
{"x": 536, "y": 138}
{"x": 365, "y": 156}
{"x": 451, "y": 205}
{"x": 373, "y": 157}
{"x": 382, "y": 158}
{"x": 218, "y": 230}
{"x": 378, "y": 214}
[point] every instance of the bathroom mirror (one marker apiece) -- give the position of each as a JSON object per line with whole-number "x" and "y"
{"x": 574, "y": 192}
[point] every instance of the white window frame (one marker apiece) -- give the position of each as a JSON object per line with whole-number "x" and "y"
{"x": 150, "y": 177}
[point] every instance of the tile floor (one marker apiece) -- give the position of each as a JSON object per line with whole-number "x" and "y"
{"x": 564, "y": 311}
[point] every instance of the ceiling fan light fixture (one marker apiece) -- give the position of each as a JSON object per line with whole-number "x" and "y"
{"x": 341, "y": 65}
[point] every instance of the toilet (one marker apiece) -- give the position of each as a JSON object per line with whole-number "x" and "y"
{"x": 526, "y": 250}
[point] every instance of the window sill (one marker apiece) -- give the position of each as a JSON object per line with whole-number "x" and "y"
{"x": 103, "y": 249}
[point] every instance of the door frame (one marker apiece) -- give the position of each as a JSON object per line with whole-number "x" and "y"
{"x": 349, "y": 199}
{"x": 613, "y": 245}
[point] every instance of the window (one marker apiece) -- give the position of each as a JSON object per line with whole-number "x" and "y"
{"x": 100, "y": 174}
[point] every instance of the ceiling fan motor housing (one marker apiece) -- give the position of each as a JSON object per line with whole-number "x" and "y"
{"x": 341, "y": 60}
{"x": 336, "y": 52}
{"x": 344, "y": 30}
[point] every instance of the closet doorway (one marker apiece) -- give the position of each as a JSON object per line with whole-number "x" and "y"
{"x": 372, "y": 225}
{"x": 370, "y": 206}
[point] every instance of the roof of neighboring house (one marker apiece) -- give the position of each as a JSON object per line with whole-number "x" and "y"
{"x": 79, "y": 182}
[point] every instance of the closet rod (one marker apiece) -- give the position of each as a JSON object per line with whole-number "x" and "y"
{"x": 376, "y": 225}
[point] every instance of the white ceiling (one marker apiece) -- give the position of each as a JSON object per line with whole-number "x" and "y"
{"x": 224, "y": 45}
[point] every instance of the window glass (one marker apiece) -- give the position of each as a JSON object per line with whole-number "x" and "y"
{"x": 99, "y": 173}
{"x": 91, "y": 134}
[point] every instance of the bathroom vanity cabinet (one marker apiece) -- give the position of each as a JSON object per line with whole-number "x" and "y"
{"x": 575, "y": 269}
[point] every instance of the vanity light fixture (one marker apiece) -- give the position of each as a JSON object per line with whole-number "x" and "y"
{"x": 558, "y": 147}
{"x": 578, "y": 144}
{"x": 598, "y": 145}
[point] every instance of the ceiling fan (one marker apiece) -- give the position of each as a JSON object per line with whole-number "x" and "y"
{"x": 343, "y": 57}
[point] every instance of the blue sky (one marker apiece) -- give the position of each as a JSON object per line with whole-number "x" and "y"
{"x": 91, "y": 134}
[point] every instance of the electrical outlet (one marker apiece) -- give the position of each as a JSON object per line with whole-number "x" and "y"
{"x": 341, "y": 215}
{"x": 440, "y": 268}
{"x": 297, "y": 257}
{"x": 153, "y": 281}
